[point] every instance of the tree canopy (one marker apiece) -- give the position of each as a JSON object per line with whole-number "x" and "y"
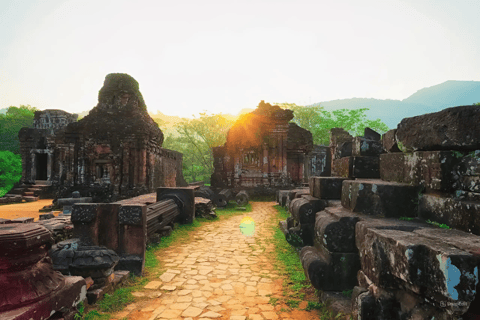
{"x": 10, "y": 171}
{"x": 195, "y": 138}
{"x": 10, "y": 124}
{"x": 319, "y": 121}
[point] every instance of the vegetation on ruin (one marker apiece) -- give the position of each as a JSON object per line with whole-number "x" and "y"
{"x": 319, "y": 121}
{"x": 437, "y": 224}
{"x": 434, "y": 223}
{"x": 10, "y": 171}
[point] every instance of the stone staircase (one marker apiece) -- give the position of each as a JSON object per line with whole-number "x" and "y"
{"x": 27, "y": 193}
{"x": 372, "y": 235}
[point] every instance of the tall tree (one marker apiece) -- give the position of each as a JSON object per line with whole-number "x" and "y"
{"x": 10, "y": 171}
{"x": 10, "y": 124}
{"x": 319, "y": 121}
{"x": 195, "y": 140}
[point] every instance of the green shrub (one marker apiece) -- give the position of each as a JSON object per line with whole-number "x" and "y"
{"x": 10, "y": 171}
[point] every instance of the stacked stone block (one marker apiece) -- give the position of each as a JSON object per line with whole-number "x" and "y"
{"x": 402, "y": 269}
{"x": 355, "y": 157}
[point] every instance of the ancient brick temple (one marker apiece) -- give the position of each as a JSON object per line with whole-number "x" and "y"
{"x": 263, "y": 149}
{"x": 114, "y": 152}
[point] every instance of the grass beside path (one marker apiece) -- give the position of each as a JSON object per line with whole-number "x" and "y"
{"x": 296, "y": 286}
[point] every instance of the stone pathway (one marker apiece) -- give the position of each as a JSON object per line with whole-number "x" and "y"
{"x": 220, "y": 274}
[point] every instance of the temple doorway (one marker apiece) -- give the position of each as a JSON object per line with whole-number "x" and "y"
{"x": 41, "y": 166}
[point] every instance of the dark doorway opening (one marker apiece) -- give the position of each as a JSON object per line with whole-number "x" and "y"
{"x": 41, "y": 166}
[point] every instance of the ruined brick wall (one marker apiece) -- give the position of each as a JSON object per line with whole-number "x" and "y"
{"x": 262, "y": 150}
{"x": 112, "y": 153}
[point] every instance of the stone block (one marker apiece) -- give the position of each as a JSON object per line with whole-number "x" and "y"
{"x": 381, "y": 198}
{"x": 337, "y": 272}
{"x": 304, "y": 210}
{"x": 458, "y": 214}
{"x": 22, "y": 220}
{"x": 408, "y": 304}
{"x": 450, "y": 129}
{"x": 283, "y": 227}
{"x": 366, "y": 306}
{"x": 46, "y": 216}
{"x": 300, "y": 235}
{"x": 335, "y": 230}
{"x": 84, "y": 213}
{"x": 282, "y": 196}
{"x": 467, "y": 196}
{"x": 433, "y": 170}
{"x": 96, "y": 224}
{"x": 357, "y": 167}
{"x": 400, "y": 167}
{"x": 318, "y": 162}
{"x": 436, "y": 170}
{"x": 67, "y": 210}
{"x": 71, "y": 201}
{"x": 30, "y": 199}
{"x": 366, "y": 147}
{"x": 469, "y": 184}
{"x": 326, "y": 187}
{"x": 468, "y": 164}
{"x": 344, "y": 150}
{"x": 371, "y": 134}
{"x": 297, "y": 193}
{"x": 63, "y": 302}
{"x": 389, "y": 141}
{"x": 393, "y": 256}
{"x": 133, "y": 263}
{"x": 132, "y": 237}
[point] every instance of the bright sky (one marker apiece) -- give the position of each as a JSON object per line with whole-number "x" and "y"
{"x": 225, "y": 55}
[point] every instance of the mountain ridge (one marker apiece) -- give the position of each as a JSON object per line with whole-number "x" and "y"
{"x": 451, "y": 93}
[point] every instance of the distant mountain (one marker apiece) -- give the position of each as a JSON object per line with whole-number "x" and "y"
{"x": 431, "y": 99}
{"x": 447, "y": 94}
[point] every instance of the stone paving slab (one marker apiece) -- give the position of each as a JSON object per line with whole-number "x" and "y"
{"x": 220, "y": 274}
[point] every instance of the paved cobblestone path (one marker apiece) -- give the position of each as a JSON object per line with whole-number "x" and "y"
{"x": 219, "y": 274}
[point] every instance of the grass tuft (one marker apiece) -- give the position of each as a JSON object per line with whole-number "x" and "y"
{"x": 116, "y": 301}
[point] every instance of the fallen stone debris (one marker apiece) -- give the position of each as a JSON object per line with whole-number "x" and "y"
{"x": 31, "y": 288}
{"x": 373, "y": 226}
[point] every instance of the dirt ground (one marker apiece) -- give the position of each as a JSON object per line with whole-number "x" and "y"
{"x": 25, "y": 209}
